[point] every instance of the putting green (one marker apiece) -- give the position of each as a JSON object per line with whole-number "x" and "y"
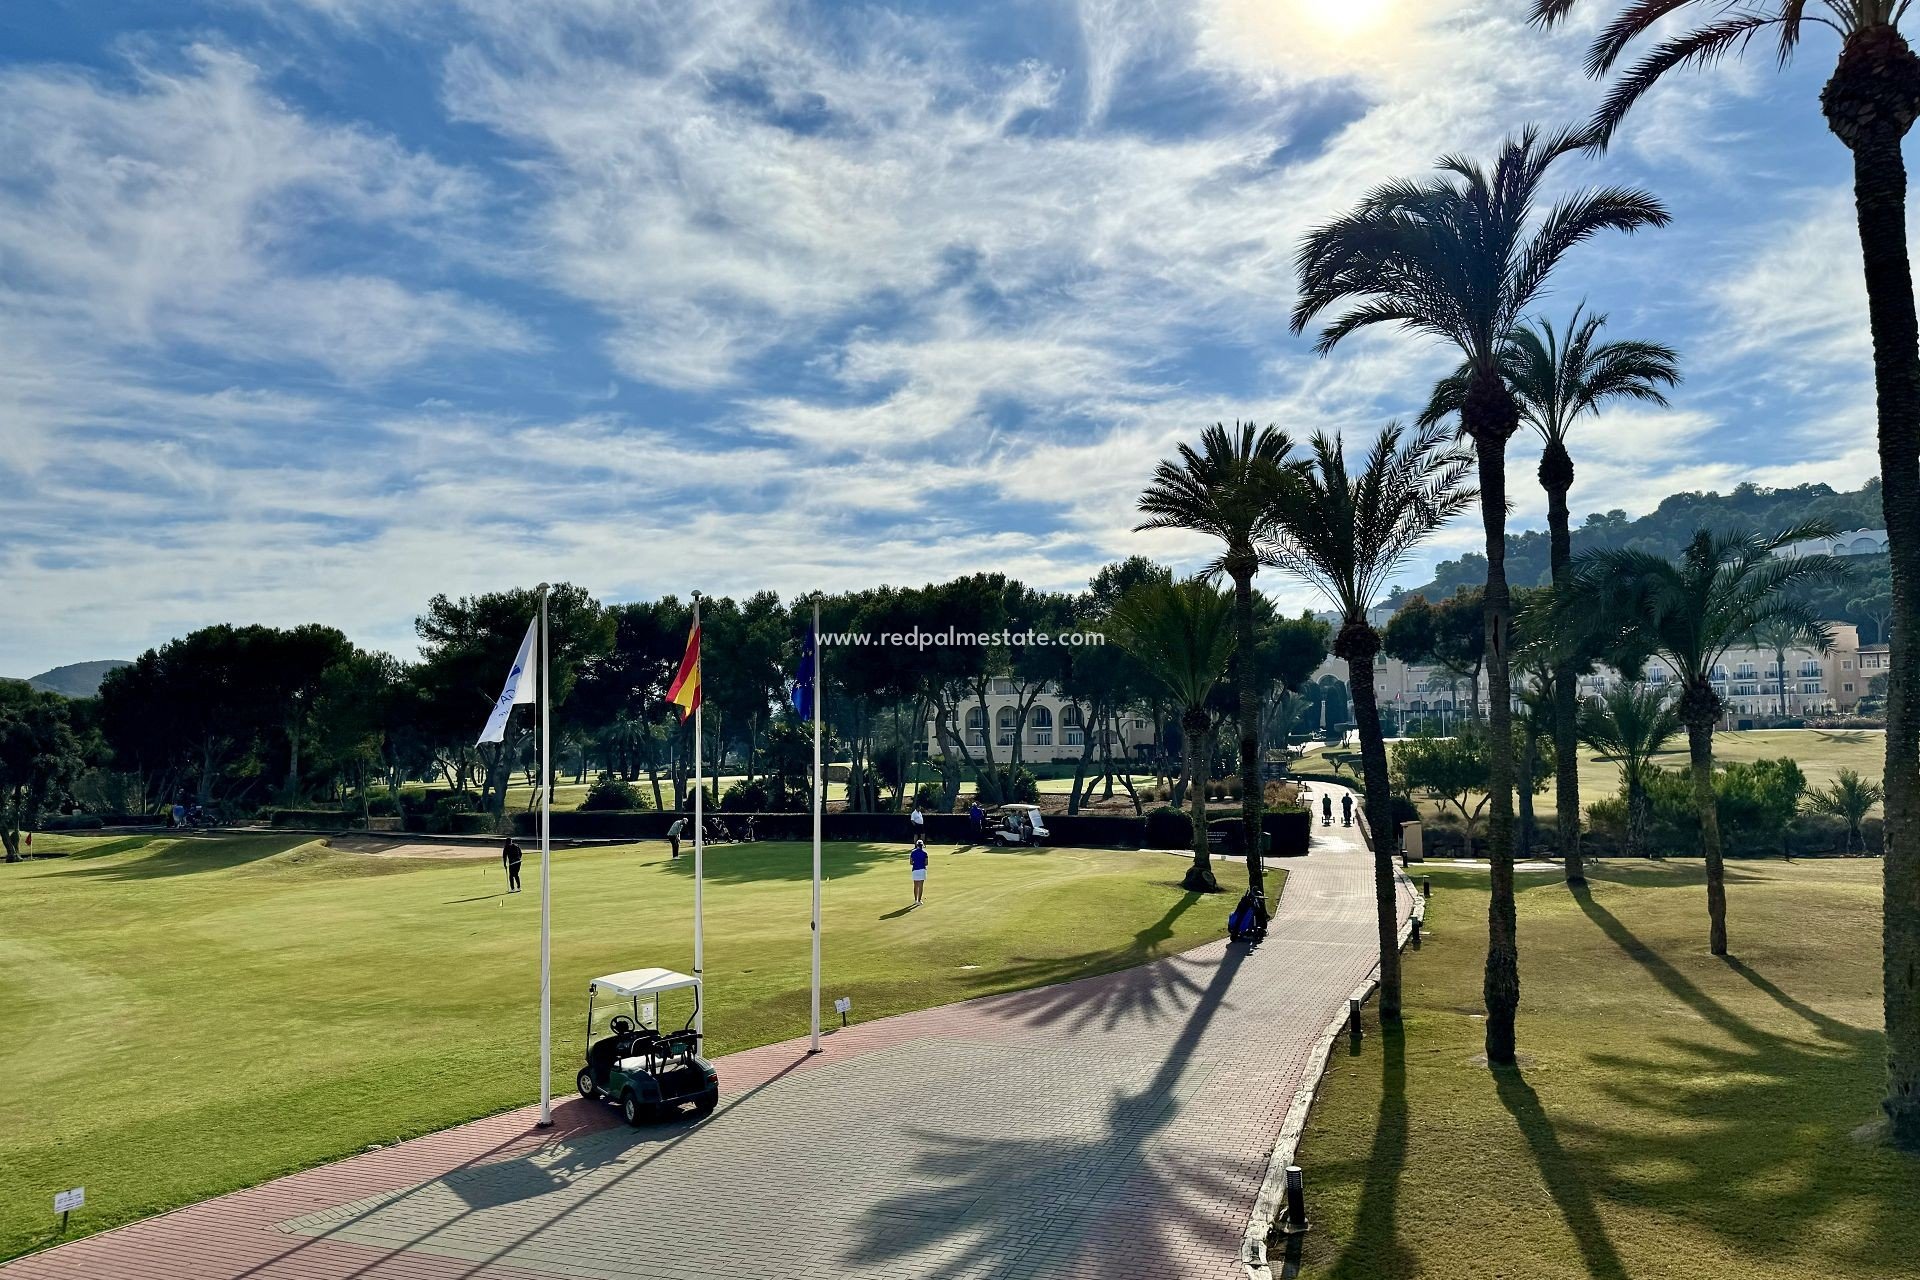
{"x": 186, "y": 1016}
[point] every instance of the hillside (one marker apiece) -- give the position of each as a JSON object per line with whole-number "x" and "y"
{"x": 76, "y": 679}
{"x": 1667, "y": 528}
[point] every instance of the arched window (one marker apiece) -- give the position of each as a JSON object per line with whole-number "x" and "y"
{"x": 976, "y": 727}
{"x": 1073, "y": 727}
{"x": 1003, "y": 726}
{"x": 1040, "y": 721}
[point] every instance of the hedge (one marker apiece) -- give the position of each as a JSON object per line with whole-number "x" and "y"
{"x": 322, "y": 819}
{"x": 1080, "y": 830}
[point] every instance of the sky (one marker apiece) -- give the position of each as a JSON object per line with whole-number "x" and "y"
{"x": 310, "y": 309}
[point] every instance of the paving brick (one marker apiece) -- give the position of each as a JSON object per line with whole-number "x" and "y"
{"x": 1117, "y": 1126}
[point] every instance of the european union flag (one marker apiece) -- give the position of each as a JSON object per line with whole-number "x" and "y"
{"x": 802, "y": 692}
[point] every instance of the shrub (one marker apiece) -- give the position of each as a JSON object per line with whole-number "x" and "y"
{"x": 743, "y": 797}
{"x": 1232, "y": 787}
{"x": 611, "y": 793}
{"x": 1168, "y": 828}
{"x": 932, "y": 797}
{"x": 382, "y": 803}
{"x": 996, "y": 787}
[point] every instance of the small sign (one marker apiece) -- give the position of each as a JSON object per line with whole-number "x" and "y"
{"x": 843, "y": 1005}
{"x": 68, "y": 1201}
{"x": 647, "y": 1015}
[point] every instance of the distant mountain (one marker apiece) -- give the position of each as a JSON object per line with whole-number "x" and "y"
{"x": 1666, "y": 529}
{"x": 76, "y": 679}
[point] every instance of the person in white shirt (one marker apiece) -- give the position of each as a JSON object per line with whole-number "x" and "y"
{"x": 918, "y": 819}
{"x": 673, "y": 834}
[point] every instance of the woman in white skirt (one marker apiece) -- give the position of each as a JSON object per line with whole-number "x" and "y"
{"x": 918, "y": 861}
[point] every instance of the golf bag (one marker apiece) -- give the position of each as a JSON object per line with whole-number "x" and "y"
{"x": 1248, "y": 923}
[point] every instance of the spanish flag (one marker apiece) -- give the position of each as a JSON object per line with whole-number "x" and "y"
{"x": 685, "y": 690}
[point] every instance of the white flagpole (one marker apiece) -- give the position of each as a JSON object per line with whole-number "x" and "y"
{"x": 546, "y": 877}
{"x": 819, "y": 798}
{"x": 699, "y": 834}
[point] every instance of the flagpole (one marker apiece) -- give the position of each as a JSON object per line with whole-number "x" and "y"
{"x": 699, "y": 842}
{"x": 819, "y": 796}
{"x": 546, "y": 876}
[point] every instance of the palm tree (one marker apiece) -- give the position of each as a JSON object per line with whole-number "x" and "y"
{"x": 1851, "y": 798}
{"x": 1228, "y": 490}
{"x": 1347, "y": 535}
{"x": 1723, "y": 588}
{"x": 1632, "y": 723}
{"x": 1182, "y": 633}
{"x": 1777, "y": 638}
{"x": 1558, "y": 379}
{"x": 1870, "y": 102}
{"x": 1461, "y": 257}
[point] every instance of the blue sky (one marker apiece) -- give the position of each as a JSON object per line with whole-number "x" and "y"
{"x": 313, "y": 308}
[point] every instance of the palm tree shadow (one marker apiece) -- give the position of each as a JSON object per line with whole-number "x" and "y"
{"x": 1375, "y": 1249}
{"x": 1133, "y": 980}
{"x": 1564, "y": 1180}
{"x": 982, "y": 1203}
{"x": 1742, "y": 1120}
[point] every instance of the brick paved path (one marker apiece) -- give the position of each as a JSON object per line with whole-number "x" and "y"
{"x": 1113, "y": 1127}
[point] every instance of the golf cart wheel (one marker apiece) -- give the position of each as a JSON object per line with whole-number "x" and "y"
{"x": 584, "y": 1082}
{"x": 633, "y": 1109}
{"x": 704, "y": 1104}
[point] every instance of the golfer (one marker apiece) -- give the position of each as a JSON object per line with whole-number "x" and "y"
{"x": 919, "y": 820}
{"x": 918, "y": 861}
{"x": 979, "y": 817}
{"x": 1326, "y": 811}
{"x": 1346, "y": 809}
{"x": 673, "y": 834}
{"x": 510, "y": 859}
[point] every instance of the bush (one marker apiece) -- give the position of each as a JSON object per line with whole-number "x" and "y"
{"x": 1168, "y": 828}
{"x": 382, "y": 803}
{"x": 1232, "y": 787}
{"x": 932, "y": 798}
{"x": 448, "y": 811}
{"x": 741, "y": 797}
{"x": 996, "y": 787}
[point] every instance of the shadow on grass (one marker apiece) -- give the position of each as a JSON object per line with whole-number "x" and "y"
{"x": 1375, "y": 1249}
{"x": 181, "y": 856}
{"x": 1006, "y": 1197}
{"x": 784, "y": 860}
{"x": 1751, "y": 1136}
{"x": 1561, "y": 1172}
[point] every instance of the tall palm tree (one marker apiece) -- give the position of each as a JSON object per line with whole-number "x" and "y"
{"x": 1870, "y": 102}
{"x": 1461, "y": 257}
{"x": 1689, "y": 613}
{"x": 1776, "y": 638}
{"x": 1347, "y": 535}
{"x": 1182, "y": 634}
{"x": 1632, "y": 723}
{"x": 1558, "y": 379}
{"x": 1851, "y": 798}
{"x": 1228, "y": 489}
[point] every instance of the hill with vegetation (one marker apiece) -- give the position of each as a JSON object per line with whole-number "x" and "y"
{"x": 1666, "y": 530}
{"x": 76, "y": 679}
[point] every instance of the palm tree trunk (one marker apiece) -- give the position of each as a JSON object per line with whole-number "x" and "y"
{"x": 1358, "y": 645}
{"x": 1523, "y": 792}
{"x": 1700, "y": 752}
{"x": 1870, "y": 103}
{"x": 1489, "y": 418}
{"x": 1556, "y": 477}
{"x": 1200, "y": 877}
{"x": 1636, "y": 813}
{"x": 1247, "y": 686}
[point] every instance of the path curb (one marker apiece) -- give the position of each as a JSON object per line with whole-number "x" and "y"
{"x": 1273, "y": 1189}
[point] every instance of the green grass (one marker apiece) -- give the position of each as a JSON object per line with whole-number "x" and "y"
{"x": 186, "y": 1016}
{"x": 1675, "y": 1117}
{"x": 1821, "y": 754}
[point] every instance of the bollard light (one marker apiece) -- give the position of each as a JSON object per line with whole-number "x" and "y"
{"x": 1416, "y": 933}
{"x": 1294, "y": 1221}
{"x": 1426, "y": 886}
{"x": 1353, "y": 1016}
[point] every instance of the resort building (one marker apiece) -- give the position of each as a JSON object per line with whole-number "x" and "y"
{"x": 1056, "y": 728}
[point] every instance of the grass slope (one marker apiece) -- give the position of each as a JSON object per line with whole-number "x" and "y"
{"x": 186, "y": 1016}
{"x": 1821, "y": 754}
{"x": 1677, "y": 1116}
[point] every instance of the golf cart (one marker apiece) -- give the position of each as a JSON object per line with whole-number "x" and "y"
{"x": 651, "y": 1074}
{"x": 1020, "y": 824}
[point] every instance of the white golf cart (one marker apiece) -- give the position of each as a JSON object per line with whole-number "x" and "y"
{"x": 1020, "y": 824}
{"x": 651, "y": 1074}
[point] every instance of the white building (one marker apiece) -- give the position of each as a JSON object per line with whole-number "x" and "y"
{"x": 1854, "y": 542}
{"x": 1056, "y": 728}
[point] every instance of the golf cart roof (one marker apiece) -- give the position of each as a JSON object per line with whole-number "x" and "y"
{"x": 1019, "y": 808}
{"x": 641, "y": 982}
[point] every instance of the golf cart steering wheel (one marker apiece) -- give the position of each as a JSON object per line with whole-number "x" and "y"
{"x": 621, "y": 1025}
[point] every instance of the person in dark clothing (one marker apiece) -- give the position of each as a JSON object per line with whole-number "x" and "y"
{"x": 979, "y": 818}
{"x": 1326, "y": 811}
{"x": 510, "y": 859}
{"x": 1346, "y": 809}
{"x": 917, "y": 863}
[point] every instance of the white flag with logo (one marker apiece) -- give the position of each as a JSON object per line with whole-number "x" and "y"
{"x": 519, "y": 689}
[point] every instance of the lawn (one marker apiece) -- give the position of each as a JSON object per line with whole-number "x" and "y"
{"x": 1675, "y": 1117}
{"x": 186, "y": 1016}
{"x": 1821, "y": 754}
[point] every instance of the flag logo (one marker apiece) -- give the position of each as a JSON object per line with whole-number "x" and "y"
{"x": 802, "y": 692}
{"x": 518, "y": 689}
{"x": 684, "y": 692}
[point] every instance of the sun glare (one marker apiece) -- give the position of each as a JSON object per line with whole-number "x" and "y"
{"x": 1345, "y": 17}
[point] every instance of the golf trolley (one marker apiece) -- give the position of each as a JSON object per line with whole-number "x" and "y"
{"x": 651, "y": 1074}
{"x": 1248, "y": 922}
